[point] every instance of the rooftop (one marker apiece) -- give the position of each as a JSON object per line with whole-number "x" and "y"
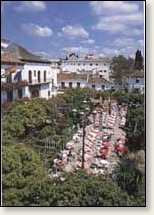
{"x": 137, "y": 74}
{"x": 91, "y": 78}
{"x": 8, "y": 58}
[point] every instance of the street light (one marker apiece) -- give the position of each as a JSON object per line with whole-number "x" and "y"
{"x": 84, "y": 115}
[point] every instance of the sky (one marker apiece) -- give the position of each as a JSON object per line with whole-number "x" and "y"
{"x": 57, "y": 28}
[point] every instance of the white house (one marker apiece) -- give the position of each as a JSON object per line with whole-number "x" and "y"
{"x": 83, "y": 65}
{"x": 42, "y": 79}
{"x": 134, "y": 82}
{"x": 24, "y": 75}
{"x": 12, "y": 86}
{"x": 74, "y": 80}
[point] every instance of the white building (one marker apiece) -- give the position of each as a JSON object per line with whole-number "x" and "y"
{"x": 134, "y": 82}
{"x": 88, "y": 64}
{"x": 36, "y": 74}
{"x": 11, "y": 87}
{"x": 74, "y": 80}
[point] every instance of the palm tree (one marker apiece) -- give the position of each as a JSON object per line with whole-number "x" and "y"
{"x": 130, "y": 173}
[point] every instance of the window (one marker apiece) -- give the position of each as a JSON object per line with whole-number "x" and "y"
{"x": 19, "y": 93}
{"x": 93, "y": 86}
{"x": 78, "y": 64}
{"x": 78, "y": 84}
{"x": 105, "y": 71}
{"x": 34, "y": 73}
{"x": 9, "y": 96}
{"x": 96, "y": 64}
{"x": 38, "y": 77}
{"x": 70, "y": 84}
{"x": 137, "y": 80}
{"x": 62, "y": 85}
{"x": 91, "y": 64}
{"x": 101, "y": 76}
{"x": 104, "y": 64}
{"x": 49, "y": 93}
{"x": 100, "y": 70}
{"x": 103, "y": 87}
{"x": 30, "y": 76}
{"x": 83, "y": 64}
{"x": 45, "y": 76}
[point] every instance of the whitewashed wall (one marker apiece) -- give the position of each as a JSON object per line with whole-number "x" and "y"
{"x": 81, "y": 66}
{"x": 83, "y": 84}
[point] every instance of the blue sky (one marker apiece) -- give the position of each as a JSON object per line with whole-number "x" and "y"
{"x": 59, "y": 27}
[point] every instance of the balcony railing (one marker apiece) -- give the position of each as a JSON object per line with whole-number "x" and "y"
{"x": 34, "y": 82}
{"x": 11, "y": 86}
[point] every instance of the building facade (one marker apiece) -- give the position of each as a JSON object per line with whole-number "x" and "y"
{"x": 12, "y": 85}
{"x": 134, "y": 82}
{"x": 24, "y": 75}
{"x": 89, "y": 64}
{"x": 74, "y": 80}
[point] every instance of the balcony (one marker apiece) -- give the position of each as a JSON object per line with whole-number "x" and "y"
{"x": 35, "y": 82}
{"x": 11, "y": 86}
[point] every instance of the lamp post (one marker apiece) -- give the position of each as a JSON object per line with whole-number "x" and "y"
{"x": 84, "y": 115}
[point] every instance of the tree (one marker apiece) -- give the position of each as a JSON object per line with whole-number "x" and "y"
{"x": 135, "y": 125}
{"x": 23, "y": 116}
{"x": 23, "y": 172}
{"x": 130, "y": 173}
{"x": 138, "y": 60}
{"x": 81, "y": 189}
{"x": 121, "y": 66}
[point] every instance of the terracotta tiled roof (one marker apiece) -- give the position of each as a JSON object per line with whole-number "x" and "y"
{"x": 105, "y": 60}
{"x": 137, "y": 74}
{"x": 65, "y": 76}
{"x": 8, "y": 58}
{"x": 74, "y": 76}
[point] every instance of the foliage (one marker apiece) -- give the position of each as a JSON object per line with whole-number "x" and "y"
{"x": 24, "y": 177}
{"x": 138, "y": 60}
{"x": 135, "y": 128}
{"x": 23, "y": 116}
{"x": 22, "y": 172}
{"x": 81, "y": 189}
{"x": 130, "y": 174}
{"x": 121, "y": 66}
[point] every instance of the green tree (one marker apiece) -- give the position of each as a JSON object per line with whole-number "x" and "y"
{"x": 82, "y": 189}
{"x": 121, "y": 66}
{"x": 138, "y": 60}
{"x": 22, "y": 172}
{"x": 130, "y": 173}
{"x": 23, "y": 116}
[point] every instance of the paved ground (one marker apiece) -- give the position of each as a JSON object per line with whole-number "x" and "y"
{"x": 112, "y": 158}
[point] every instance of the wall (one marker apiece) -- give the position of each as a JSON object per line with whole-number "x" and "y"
{"x": 51, "y": 79}
{"x": 73, "y": 66}
{"x": 83, "y": 84}
{"x": 132, "y": 83}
